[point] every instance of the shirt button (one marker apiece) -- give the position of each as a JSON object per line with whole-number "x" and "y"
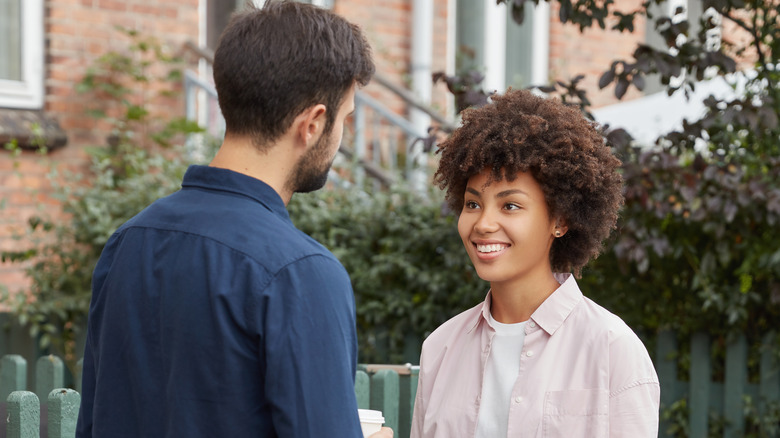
{"x": 532, "y": 324}
{"x": 518, "y": 399}
{"x": 529, "y": 353}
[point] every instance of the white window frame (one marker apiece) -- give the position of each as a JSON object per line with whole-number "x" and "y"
{"x": 27, "y": 93}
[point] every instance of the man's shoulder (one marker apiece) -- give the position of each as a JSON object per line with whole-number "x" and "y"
{"x": 241, "y": 226}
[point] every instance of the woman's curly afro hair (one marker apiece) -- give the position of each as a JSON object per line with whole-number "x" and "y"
{"x": 563, "y": 151}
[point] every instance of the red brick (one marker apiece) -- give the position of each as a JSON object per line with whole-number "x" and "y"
{"x": 112, "y": 5}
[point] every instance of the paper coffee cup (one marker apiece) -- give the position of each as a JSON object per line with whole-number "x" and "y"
{"x": 370, "y": 421}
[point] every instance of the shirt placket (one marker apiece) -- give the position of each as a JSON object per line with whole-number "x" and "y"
{"x": 518, "y": 404}
{"x": 487, "y": 343}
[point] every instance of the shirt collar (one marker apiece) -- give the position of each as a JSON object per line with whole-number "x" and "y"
{"x": 215, "y": 178}
{"x": 553, "y": 311}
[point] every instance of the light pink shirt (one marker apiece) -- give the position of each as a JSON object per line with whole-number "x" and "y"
{"x": 583, "y": 373}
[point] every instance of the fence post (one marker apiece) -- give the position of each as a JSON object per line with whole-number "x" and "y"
{"x": 769, "y": 388}
{"x": 700, "y": 373}
{"x": 79, "y": 373}
{"x": 63, "y": 411}
{"x": 49, "y": 372}
{"x": 362, "y": 389}
{"x": 408, "y": 391}
{"x": 384, "y": 395}
{"x": 13, "y": 375}
{"x": 666, "y": 365}
{"x": 736, "y": 379}
{"x": 24, "y": 415}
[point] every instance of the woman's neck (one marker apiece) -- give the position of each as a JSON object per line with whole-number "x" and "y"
{"x": 515, "y": 301}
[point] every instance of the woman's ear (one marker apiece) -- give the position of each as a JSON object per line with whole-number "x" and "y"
{"x": 560, "y": 228}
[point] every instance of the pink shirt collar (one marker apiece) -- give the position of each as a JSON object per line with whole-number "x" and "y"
{"x": 553, "y": 311}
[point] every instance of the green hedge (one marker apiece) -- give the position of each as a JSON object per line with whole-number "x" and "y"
{"x": 408, "y": 266}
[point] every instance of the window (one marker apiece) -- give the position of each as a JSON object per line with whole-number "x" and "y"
{"x": 510, "y": 54}
{"x": 219, "y": 11}
{"x": 217, "y": 18}
{"x": 679, "y": 10}
{"x": 21, "y": 54}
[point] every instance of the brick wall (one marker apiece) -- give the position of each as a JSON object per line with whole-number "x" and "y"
{"x": 592, "y": 52}
{"x": 77, "y": 32}
{"x": 388, "y": 27}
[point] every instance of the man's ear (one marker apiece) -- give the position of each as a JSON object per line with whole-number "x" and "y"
{"x": 310, "y": 124}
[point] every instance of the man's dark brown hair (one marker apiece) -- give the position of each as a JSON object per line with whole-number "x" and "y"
{"x": 563, "y": 151}
{"x": 273, "y": 63}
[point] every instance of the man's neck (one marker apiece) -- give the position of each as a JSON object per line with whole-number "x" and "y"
{"x": 272, "y": 165}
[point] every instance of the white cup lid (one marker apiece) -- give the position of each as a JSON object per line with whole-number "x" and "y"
{"x": 370, "y": 416}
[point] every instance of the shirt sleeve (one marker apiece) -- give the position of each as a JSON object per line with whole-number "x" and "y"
{"x": 635, "y": 392}
{"x": 102, "y": 268}
{"x": 310, "y": 344}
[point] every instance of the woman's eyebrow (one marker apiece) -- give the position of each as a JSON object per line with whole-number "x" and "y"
{"x": 473, "y": 192}
{"x": 506, "y": 193}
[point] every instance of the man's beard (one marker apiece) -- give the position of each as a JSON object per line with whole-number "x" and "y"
{"x": 311, "y": 172}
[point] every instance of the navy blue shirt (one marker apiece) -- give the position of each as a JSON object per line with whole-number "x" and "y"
{"x": 213, "y": 316}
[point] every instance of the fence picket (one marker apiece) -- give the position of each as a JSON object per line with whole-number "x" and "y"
{"x": 736, "y": 380}
{"x": 63, "y": 411}
{"x": 385, "y": 395}
{"x": 407, "y": 393}
{"x": 699, "y": 384}
{"x": 13, "y": 375}
{"x": 49, "y": 374}
{"x": 666, "y": 367}
{"x": 24, "y": 415}
{"x": 77, "y": 377}
{"x": 769, "y": 389}
{"x": 362, "y": 389}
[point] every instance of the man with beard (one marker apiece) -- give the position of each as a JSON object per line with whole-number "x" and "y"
{"x": 211, "y": 314}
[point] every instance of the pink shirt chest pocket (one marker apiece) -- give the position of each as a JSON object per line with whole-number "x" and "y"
{"x": 576, "y": 413}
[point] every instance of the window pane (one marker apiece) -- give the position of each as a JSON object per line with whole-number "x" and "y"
{"x": 519, "y": 49}
{"x": 218, "y": 16}
{"x": 10, "y": 40}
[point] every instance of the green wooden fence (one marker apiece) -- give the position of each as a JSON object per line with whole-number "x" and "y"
{"x": 700, "y": 401}
{"x": 388, "y": 388}
{"x": 725, "y": 400}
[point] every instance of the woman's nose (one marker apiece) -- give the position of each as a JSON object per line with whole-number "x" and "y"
{"x": 486, "y": 223}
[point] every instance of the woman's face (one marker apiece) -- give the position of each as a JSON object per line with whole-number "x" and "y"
{"x": 506, "y": 228}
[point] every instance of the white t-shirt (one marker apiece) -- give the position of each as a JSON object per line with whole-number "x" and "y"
{"x": 501, "y": 371}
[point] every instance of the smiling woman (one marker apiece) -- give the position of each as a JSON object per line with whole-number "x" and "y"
{"x": 508, "y": 231}
{"x": 538, "y": 190}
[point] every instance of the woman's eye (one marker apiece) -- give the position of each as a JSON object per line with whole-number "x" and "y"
{"x": 470, "y": 204}
{"x": 511, "y": 206}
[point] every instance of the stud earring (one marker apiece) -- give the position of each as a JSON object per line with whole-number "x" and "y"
{"x": 557, "y": 233}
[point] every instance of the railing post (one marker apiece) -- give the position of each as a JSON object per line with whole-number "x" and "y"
{"x": 385, "y": 396}
{"x": 63, "y": 411}
{"x": 49, "y": 374}
{"x": 359, "y": 119}
{"x": 13, "y": 375}
{"x": 700, "y": 373}
{"x": 362, "y": 389}
{"x": 24, "y": 415}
